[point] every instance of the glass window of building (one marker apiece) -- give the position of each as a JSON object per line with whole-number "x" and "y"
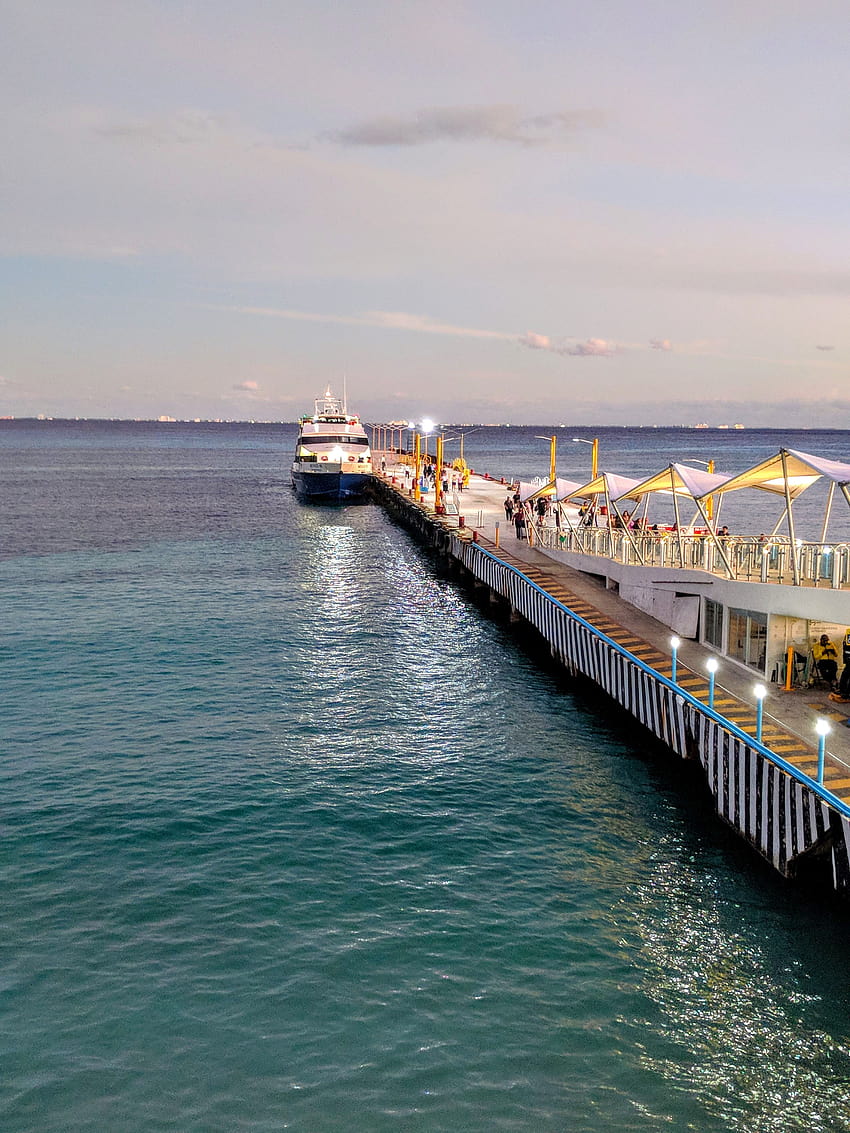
{"x": 713, "y": 623}
{"x": 748, "y": 637}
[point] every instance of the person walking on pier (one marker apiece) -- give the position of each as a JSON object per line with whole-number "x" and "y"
{"x": 509, "y": 507}
{"x": 519, "y": 523}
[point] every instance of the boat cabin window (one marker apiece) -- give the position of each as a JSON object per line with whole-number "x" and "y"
{"x": 327, "y": 439}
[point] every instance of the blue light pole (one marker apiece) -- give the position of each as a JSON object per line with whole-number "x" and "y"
{"x": 674, "y": 646}
{"x": 822, "y": 728}
{"x": 759, "y": 692}
{"x": 712, "y": 666}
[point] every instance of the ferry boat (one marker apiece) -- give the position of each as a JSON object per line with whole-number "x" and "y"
{"x": 333, "y": 461}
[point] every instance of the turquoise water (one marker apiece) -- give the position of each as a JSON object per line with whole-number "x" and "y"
{"x": 296, "y": 838}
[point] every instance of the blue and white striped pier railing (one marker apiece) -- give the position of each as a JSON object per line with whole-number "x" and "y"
{"x": 779, "y": 809}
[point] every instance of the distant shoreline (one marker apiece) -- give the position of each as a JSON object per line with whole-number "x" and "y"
{"x": 204, "y": 422}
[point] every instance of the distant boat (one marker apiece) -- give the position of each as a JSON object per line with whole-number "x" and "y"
{"x": 701, "y": 425}
{"x": 333, "y": 461}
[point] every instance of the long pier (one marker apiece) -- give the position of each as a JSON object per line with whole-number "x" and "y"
{"x": 767, "y": 791}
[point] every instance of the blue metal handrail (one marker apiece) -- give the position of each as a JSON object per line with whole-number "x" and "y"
{"x": 730, "y": 727}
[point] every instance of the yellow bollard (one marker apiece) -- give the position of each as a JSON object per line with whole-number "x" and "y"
{"x": 789, "y": 668}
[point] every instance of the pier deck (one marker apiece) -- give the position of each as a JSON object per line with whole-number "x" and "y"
{"x": 789, "y": 718}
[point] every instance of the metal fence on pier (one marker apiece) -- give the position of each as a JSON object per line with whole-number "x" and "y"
{"x": 749, "y": 558}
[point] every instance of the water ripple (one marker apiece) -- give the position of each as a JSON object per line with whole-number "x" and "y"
{"x": 294, "y": 838}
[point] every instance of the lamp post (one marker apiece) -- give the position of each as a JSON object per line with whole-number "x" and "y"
{"x": 427, "y": 427}
{"x": 439, "y": 508}
{"x": 458, "y": 436}
{"x": 553, "y": 441}
{"x": 674, "y": 649}
{"x": 712, "y": 666}
{"x": 417, "y": 466}
{"x": 822, "y": 729}
{"x": 759, "y": 692}
{"x": 462, "y": 435}
{"x": 594, "y": 455}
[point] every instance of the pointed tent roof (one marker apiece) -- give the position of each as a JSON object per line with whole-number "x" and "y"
{"x": 526, "y": 490}
{"x": 803, "y": 471}
{"x": 617, "y": 487}
{"x": 683, "y": 480}
{"x": 558, "y": 489}
{"x": 834, "y": 470}
{"x": 566, "y": 489}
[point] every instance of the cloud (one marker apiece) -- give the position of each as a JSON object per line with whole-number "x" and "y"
{"x": 422, "y": 324}
{"x": 182, "y": 127}
{"x": 467, "y": 124}
{"x": 590, "y": 348}
{"x": 248, "y": 386}
{"x": 660, "y": 344}
{"x": 389, "y": 320}
{"x": 535, "y": 341}
{"x": 824, "y": 348}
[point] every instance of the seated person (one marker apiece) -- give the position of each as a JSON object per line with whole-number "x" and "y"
{"x": 826, "y": 659}
{"x": 844, "y": 683}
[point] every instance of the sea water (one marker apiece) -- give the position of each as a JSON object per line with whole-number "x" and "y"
{"x": 296, "y": 837}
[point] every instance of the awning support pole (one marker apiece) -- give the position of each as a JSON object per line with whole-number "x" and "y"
{"x": 720, "y": 548}
{"x": 678, "y": 519}
{"x": 827, "y": 512}
{"x": 630, "y": 536}
{"x": 795, "y": 566}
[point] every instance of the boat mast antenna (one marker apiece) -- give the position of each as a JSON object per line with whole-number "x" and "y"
{"x": 344, "y": 396}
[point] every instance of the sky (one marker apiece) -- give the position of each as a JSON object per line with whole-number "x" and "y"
{"x": 618, "y": 212}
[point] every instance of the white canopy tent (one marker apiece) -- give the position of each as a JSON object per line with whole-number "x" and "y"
{"x": 789, "y": 473}
{"x": 612, "y": 486}
{"x": 683, "y": 480}
{"x": 695, "y": 484}
{"x": 566, "y": 489}
{"x": 609, "y": 484}
{"x": 557, "y": 489}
